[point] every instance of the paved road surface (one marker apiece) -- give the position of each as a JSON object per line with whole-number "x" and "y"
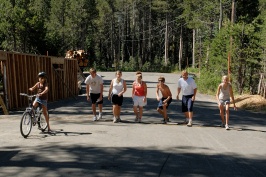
{"x": 81, "y": 147}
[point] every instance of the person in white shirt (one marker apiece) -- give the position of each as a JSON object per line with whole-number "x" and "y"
{"x": 117, "y": 88}
{"x": 189, "y": 91}
{"x": 94, "y": 91}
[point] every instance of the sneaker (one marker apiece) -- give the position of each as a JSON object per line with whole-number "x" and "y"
{"x": 222, "y": 125}
{"x": 115, "y": 119}
{"x": 163, "y": 121}
{"x": 100, "y": 116}
{"x": 189, "y": 124}
{"x": 139, "y": 120}
{"x": 136, "y": 119}
{"x": 227, "y": 127}
{"x": 186, "y": 121}
{"x": 119, "y": 119}
{"x": 168, "y": 119}
{"x": 94, "y": 118}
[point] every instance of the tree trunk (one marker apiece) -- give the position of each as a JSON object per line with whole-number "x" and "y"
{"x": 180, "y": 50}
{"x": 193, "y": 48}
{"x": 149, "y": 45}
{"x": 166, "y": 42}
{"x": 221, "y": 15}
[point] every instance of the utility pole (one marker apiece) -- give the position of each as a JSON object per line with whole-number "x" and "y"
{"x": 166, "y": 42}
{"x": 231, "y": 38}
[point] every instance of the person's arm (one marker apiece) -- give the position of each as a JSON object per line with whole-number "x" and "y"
{"x": 124, "y": 88}
{"x": 194, "y": 94}
{"x": 145, "y": 92}
{"x": 168, "y": 92}
{"x": 110, "y": 90}
{"x": 34, "y": 87}
{"x": 218, "y": 92}
{"x": 157, "y": 93}
{"x": 88, "y": 91}
{"x": 101, "y": 92}
{"x": 232, "y": 96}
{"x": 133, "y": 90}
{"x": 178, "y": 92}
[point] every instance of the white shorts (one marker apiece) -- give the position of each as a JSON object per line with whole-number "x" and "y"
{"x": 138, "y": 101}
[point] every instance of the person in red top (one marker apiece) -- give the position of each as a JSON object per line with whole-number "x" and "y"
{"x": 139, "y": 93}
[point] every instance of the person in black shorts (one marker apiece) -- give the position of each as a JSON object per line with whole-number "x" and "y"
{"x": 189, "y": 89}
{"x": 117, "y": 88}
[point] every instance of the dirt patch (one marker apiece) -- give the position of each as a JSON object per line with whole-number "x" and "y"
{"x": 251, "y": 102}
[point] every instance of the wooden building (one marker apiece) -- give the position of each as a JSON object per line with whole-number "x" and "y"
{"x": 20, "y": 72}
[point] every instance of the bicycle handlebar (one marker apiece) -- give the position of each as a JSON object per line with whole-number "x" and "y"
{"x": 30, "y": 96}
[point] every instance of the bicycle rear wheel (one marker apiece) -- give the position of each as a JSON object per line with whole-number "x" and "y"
{"x": 42, "y": 124}
{"x": 25, "y": 124}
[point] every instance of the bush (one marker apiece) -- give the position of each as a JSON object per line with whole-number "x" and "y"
{"x": 208, "y": 82}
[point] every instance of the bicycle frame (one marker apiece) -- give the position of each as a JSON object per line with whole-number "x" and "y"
{"x": 34, "y": 117}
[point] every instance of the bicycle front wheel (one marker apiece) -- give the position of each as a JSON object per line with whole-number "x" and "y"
{"x": 25, "y": 124}
{"x": 42, "y": 124}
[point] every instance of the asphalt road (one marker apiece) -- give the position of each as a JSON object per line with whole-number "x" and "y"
{"x": 81, "y": 147}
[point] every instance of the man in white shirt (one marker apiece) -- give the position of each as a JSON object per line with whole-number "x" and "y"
{"x": 189, "y": 91}
{"x": 94, "y": 91}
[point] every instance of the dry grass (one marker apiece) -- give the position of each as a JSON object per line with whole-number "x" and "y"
{"x": 251, "y": 102}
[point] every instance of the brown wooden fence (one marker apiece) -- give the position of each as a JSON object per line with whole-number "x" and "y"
{"x": 20, "y": 73}
{"x": 262, "y": 85}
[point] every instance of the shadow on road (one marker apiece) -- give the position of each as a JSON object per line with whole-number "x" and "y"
{"x": 81, "y": 160}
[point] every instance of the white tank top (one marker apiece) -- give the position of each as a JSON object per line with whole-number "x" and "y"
{"x": 225, "y": 92}
{"x": 117, "y": 86}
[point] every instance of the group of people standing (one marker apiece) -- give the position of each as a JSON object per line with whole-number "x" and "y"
{"x": 94, "y": 91}
{"x": 186, "y": 85}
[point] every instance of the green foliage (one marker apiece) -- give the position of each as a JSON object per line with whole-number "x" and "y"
{"x": 131, "y": 65}
{"x": 208, "y": 82}
{"x": 134, "y": 31}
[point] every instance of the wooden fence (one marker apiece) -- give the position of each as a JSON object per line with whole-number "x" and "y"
{"x": 20, "y": 72}
{"x": 262, "y": 85}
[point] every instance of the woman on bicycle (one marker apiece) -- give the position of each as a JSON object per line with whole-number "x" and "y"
{"x": 42, "y": 89}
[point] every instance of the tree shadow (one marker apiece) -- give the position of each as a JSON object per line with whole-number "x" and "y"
{"x": 85, "y": 160}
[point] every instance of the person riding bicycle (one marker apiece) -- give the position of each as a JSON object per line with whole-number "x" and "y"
{"x": 42, "y": 89}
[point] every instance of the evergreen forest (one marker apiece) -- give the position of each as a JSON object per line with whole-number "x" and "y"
{"x": 211, "y": 38}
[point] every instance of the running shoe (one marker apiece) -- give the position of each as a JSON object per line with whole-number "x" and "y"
{"x": 115, "y": 119}
{"x": 94, "y": 118}
{"x": 227, "y": 127}
{"x": 189, "y": 124}
{"x": 100, "y": 116}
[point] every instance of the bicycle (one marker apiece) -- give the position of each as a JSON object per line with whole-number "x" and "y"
{"x": 31, "y": 117}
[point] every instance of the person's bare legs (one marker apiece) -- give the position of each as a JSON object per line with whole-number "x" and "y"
{"x": 190, "y": 115}
{"x": 93, "y": 107}
{"x": 140, "y": 112}
{"x": 186, "y": 117}
{"x": 116, "y": 111}
{"x": 100, "y": 106}
{"x": 135, "y": 109}
{"x": 227, "y": 114}
{"x": 165, "y": 112}
{"x": 44, "y": 110}
{"x": 160, "y": 111}
{"x": 221, "y": 108}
